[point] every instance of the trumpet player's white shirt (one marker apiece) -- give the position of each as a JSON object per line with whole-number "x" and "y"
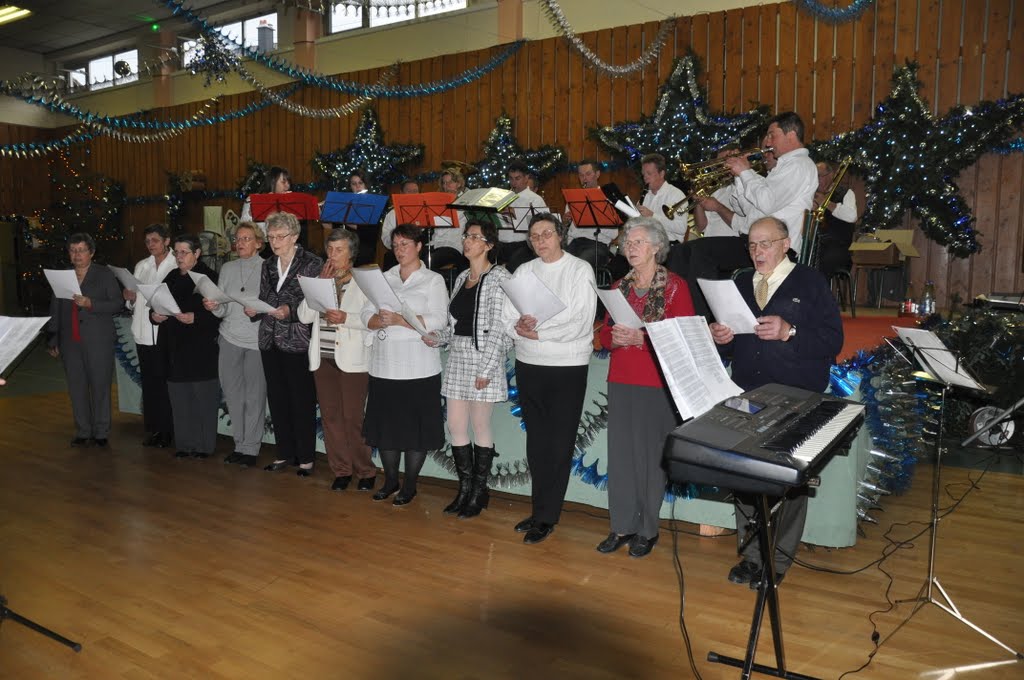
{"x": 670, "y": 195}
{"x": 716, "y": 225}
{"x": 785, "y": 193}
{"x": 525, "y": 199}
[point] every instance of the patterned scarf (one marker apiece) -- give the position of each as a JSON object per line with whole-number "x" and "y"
{"x": 654, "y": 305}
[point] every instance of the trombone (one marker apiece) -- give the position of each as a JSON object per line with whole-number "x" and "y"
{"x": 707, "y": 177}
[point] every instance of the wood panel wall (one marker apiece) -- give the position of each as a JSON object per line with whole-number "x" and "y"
{"x": 831, "y": 75}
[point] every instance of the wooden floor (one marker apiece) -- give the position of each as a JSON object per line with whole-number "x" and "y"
{"x": 172, "y": 569}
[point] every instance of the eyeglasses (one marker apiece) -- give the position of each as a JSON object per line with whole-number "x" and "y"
{"x": 474, "y": 237}
{"x": 542, "y": 236}
{"x": 182, "y": 253}
{"x": 244, "y": 239}
{"x": 401, "y": 243}
{"x": 79, "y": 251}
{"x": 639, "y": 243}
{"x": 279, "y": 237}
{"x": 763, "y": 245}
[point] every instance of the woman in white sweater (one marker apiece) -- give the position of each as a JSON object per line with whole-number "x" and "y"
{"x": 551, "y": 370}
{"x": 339, "y": 356}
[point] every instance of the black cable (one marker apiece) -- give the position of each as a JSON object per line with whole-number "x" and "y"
{"x": 678, "y": 566}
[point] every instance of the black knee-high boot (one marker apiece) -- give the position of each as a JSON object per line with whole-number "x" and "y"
{"x": 479, "y": 497}
{"x": 413, "y": 464}
{"x": 463, "y": 457}
{"x": 389, "y": 460}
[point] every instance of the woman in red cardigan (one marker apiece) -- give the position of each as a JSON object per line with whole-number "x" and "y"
{"x": 640, "y": 410}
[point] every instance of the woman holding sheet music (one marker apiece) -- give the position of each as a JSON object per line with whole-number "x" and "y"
{"x": 339, "y": 356}
{"x": 239, "y": 366}
{"x": 551, "y": 369}
{"x": 190, "y": 342}
{"x": 403, "y": 403}
{"x": 640, "y": 410}
{"x": 82, "y": 335}
{"x": 474, "y": 378}
{"x": 284, "y": 341}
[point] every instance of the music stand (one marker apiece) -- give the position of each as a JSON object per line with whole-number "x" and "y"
{"x": 591, "y": 208}
{"x": 6, "y": 613}
{"x": 343, "y": 207}
{"x": 942, "y": 367}
{"x": 424, "y": 211}
{"x": 303, "y": 206}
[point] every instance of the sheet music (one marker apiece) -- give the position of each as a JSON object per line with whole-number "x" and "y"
{"x": 126, "y": 278}
{"x": 321, "y": 294}
{"x": 16, "y": 334}
{"x": 691, "y": 365}
{"x": 255, "y": 303}
{"x": 627, "y": 209}
{"x": 377, "y": 289}
{"x": 158, "y": 297}
{"x": 728, "y": 305}
{"x": 530, "y": 296}
{"x": 410, "y": 316}
{"x": 208, "y": 289}
{"x": 64, "y": 283}
{"x": 936, "y": 358}
{"x": 622, "y": 314}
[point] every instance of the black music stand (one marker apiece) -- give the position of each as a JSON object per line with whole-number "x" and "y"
{"x": 6, "y": 614}
{"x": 591, "y": 208}
{"x": 943, "y": 368}
{"x": 423, "y": 210}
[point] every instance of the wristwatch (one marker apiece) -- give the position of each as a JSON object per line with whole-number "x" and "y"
{"x": 792, "y": 332}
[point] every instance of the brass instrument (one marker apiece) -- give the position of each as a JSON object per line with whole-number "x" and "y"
{"x": 813, "y": 219}
{"x": 707, "y": 177}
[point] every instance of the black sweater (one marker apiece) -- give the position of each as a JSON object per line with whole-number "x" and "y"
{"x": 191, "y": 349}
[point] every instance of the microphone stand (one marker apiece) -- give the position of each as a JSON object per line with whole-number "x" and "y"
{"x": 6, "y": 613}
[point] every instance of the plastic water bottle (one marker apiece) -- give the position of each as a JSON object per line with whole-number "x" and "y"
{"x": 926, "y": 307}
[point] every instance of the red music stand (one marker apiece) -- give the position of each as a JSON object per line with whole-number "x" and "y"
{"x": 591, "y": 208}
{"x": 422, "y": 211}
{"x": 303, "y": 206}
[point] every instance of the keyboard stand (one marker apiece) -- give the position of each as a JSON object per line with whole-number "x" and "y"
{"x": 767, "y": 594}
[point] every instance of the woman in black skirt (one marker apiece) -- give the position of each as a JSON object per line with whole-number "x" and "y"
{"x": 403, "y": 402}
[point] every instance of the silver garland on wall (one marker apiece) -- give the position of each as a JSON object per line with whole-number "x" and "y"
{"x": 557, "y": 17}
{"x": 299, "y": 109}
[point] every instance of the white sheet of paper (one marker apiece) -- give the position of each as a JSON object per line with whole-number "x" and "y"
{"x": 691, "y": 365}
{"x": 936, "y": 358}
{"x": 260, "y": 306}
{"x": 531, "y": 297}
{"x": 158, "y": 297}
{"x": 126, "y": 278}
{"x": 410, "y": 316}
{"x": 627, "y": 209}
{"x": 321, "y": 294}
{"x": 728, "y": 305}
{"x": 64, "y": 283}
{"x": 377, "y": 289}
{"x": 615, "y": 302}
{"x": 17, "y": 333}
{"x": 208, "y": 289}
{"x": 442, "y": 221}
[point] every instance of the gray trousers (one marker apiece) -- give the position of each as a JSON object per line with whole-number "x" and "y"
{"x": 89, "y": 368}
{"x": 195, "y": 406}
{"x": 245, "y": 392}
{"x": 639, "y": 419}
{"x": 789, "y": 526}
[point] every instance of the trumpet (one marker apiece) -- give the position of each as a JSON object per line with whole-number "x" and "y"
{"x": 707, "y": 177}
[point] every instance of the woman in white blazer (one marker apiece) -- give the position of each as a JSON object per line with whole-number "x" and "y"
{"x": 339, "y": 356}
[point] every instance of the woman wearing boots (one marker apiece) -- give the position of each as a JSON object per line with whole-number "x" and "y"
{"x": 474, "y": 378}
{"x": 403, "y": 401}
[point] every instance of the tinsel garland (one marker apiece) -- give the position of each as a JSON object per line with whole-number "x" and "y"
{"x": 37, "y": 149}
{"x": 307, "y": 77}
{"x": 835, "y": 15}
{"x": 554, "y": 12}
{"x": 299, "y": 109}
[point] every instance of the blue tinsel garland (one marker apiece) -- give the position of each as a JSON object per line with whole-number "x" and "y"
{"x": 835, "y": 15}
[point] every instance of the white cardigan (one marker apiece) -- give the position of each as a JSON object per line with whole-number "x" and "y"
{"x": 352, "y": 339}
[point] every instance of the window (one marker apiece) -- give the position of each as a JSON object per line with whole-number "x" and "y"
{"x": 346, "y": 17}
{"x": 106, "y": 71}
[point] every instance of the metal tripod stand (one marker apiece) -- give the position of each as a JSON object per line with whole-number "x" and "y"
{"x": 6, "y": 613}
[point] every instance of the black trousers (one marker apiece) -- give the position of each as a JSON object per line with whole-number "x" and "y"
{"x": 291, "y": 395}
{"x": 156, "y": 403}
{"x": 789, "y": 523}
{"x": 597, "y": 255}
{"x": 709, "y": 257}
{"x": 552, "y": 401}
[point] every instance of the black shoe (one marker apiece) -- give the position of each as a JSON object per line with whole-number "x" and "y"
{"x": 755, "y": 583}
{"x": 304, "y": 471}
{"x": 182, "y": 454}
{"x": 613, "y": 542}
{"x": 403, "y": 499}
{"x": 385, "y": 492}
{"x": 526, "y": 525}
{"x": 366, "y": 484}
{"x": 538, "y": 533}
{"x": 341, "y": 483}
{"x": 151, "y": 439}
{"x": 247, "y": 461}
{"x": 235, "y": 457}
{"x": 99, "y": 441}
{"x": 745, "y": 572}
{"x": 200, "y": 455}
{"x": 81, "y": 442}
{"x": 162, "y": 439}
{"x": 642, "y": 546}
{"x": 277, "y": 465}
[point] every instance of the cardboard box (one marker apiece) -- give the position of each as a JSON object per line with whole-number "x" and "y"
{"x": 884, "y": 248}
